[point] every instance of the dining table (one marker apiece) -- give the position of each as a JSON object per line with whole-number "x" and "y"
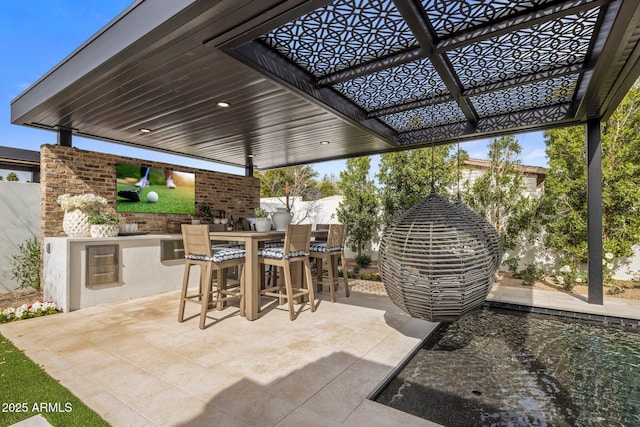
{"x": 252, "y": 241}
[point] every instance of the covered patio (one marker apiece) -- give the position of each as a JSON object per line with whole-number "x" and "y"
{"x": 267, "y": 84}
{"x": 270, "y": 84}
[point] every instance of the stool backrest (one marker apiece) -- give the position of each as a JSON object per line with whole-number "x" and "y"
{"x": 297, "y": 239}
{"x": 337, "y": 235}
{"x": 196, "y": 239}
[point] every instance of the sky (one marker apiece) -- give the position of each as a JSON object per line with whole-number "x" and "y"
{"x": 36, "y": 35}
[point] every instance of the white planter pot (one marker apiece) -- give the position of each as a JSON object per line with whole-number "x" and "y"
{"x": 104, "y": 230}
{"x": 281, "y": 219}
{"x": 75, "y": 223}
{"x": 263, "y": 224}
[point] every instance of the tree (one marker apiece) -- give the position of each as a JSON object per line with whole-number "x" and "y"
{"x": 359, "y": 209}
{"x": 498, "y": 195}
{"x": 12, "y": 177}
{"x": 327, "y": 187}
{"x": 406, "y": 177}
{"x": 294, "y": 181}
{"x": 565, "y": 198}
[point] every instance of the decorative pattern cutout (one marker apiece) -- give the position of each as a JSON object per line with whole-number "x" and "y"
{"x": 553, "y": 44}
{"x": 341, "y": 35}
{"x": 408, "y": 82}
{"x": 541, "y": 94}
{"x": 425, "y": 117}
{"x": 450, "y": 17}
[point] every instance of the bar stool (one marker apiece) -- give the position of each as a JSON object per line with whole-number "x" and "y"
{"x": 199, "y": 252}
{"x": 294, "y": 250}
{"x": 329, "y": 251}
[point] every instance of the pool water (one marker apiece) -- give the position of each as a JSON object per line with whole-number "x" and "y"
{"x": 507, "y": 368}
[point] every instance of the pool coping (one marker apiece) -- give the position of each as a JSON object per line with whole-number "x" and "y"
{"x": 600, "y": 318}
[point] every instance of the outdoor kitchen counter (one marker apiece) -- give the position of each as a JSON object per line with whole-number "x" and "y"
{"x": 82, "y": 272}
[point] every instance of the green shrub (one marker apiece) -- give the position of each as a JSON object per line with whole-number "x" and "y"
{"x": 104, "y": 219}
{"x": 531, "y": 274}
{"x": 25, "y": 265}
{"x": 366, "y": 276}
{"x": 363, "y": 260}
{"x": 569, "y": 277}
{"x": 512, "y": 264}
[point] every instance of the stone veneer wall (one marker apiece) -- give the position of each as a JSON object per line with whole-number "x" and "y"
{"x": 74, "y": 171}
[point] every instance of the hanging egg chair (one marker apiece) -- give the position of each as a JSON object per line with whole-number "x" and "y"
{"x": 438, "y": 260}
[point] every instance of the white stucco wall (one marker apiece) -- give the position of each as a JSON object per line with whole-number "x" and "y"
{"x": 324, "y": 212}
{"x": 19, "y": 221}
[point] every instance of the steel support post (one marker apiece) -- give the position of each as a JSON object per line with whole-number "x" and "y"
{"x": 64, "y": 137}
{"x": 594, "y": 211}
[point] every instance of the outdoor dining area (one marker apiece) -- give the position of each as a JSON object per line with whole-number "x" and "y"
{"x": 287, "y": 253}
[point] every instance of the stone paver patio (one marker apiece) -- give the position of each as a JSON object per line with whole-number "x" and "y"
{"x": 136, "y": 365}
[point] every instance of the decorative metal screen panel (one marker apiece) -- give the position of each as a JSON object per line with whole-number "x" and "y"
{"x": 408, "y": 82}
{"x": 438, "y": 260}
{"x": 450, "y": 17}
{"x": 541, "y": 94}
{"x": 342, "y": 35}
{"x": 420, "y": 70}
{"x": 561, "y": 42}
{"x": 434, "y": 115}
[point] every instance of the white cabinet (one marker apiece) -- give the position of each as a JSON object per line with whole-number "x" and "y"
{"x": 84, "y": 272}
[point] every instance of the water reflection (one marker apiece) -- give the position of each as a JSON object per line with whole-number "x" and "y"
{"x": 503, "y": 368}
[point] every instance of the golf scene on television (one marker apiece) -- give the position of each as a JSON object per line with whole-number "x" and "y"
{"x": 153, "y": 190}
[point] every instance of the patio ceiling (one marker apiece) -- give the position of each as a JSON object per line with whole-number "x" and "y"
{"x": 365, "y": 76}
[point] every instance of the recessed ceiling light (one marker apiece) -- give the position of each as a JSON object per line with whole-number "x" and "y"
{"x": 223, "y": 104}
{"x": 145, "y": 130}
{"x": 324, "y": 142}
{"x": 250, "y": 156}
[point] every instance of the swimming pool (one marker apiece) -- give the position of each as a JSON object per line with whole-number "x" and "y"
{"x": 507, "y": 368}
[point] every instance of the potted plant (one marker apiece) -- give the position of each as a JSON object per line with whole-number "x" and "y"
{"x": 104, "y": 225}
{"x": 77, "y": 210}
{"x": 205, "y": 213}
{"x": 282, "y": 217}
{"x": 263, "y": 223}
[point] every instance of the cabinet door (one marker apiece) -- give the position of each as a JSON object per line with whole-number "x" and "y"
{"x": 103, "y": 266}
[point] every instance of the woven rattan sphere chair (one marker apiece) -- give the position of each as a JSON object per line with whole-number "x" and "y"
{"x": 438, "y": 260}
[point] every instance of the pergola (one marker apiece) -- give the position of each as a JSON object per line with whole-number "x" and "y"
{"x": 308, "y": 81}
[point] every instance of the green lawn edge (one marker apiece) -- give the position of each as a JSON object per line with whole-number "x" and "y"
{"x": 27, "y": 390}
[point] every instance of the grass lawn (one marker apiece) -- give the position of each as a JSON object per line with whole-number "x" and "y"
{"x": 27, "y": 390}
{"x": 179, "y": 200}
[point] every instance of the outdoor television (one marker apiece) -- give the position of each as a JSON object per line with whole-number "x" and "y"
{"x": 153, "y": 190}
